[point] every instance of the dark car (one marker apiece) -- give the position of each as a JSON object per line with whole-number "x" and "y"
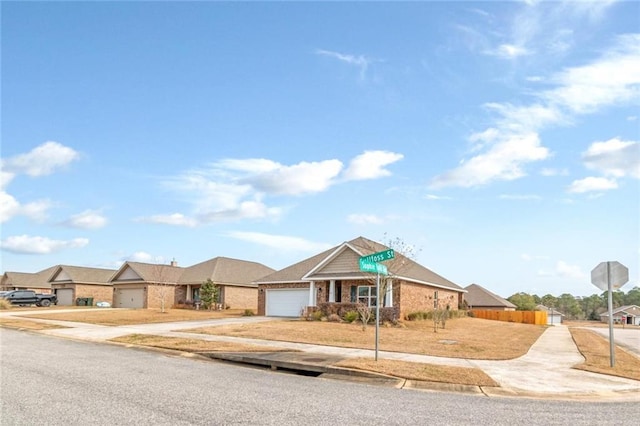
{"x": 30, "y": 297}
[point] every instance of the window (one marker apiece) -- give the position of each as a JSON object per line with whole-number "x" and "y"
{"x": 196, "y": 294}
{"x": 367, "y": 295}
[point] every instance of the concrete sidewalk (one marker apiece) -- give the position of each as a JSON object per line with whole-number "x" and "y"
{"x": 545, "y": 371}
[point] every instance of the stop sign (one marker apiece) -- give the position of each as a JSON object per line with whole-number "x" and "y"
{"x": 605, "y": 272}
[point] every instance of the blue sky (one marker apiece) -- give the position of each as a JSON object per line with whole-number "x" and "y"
{"x": 499, "y": 139}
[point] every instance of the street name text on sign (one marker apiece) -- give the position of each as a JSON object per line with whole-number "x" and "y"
{"x": 380, "y": 256}
{"x": 376, "y": 268}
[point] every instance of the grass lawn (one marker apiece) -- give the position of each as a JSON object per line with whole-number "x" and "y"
{"x": 18, "y": 323}
{"x": 596, "y": 351}
{"x": 115, "y": 317}
{"x": 192, "y": 345}
{"x": 421, "y": 371}
{"x": 471, "y": 338}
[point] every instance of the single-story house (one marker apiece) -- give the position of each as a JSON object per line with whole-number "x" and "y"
{"x": 72, "y": 282}
{"x": 478, "y": 297}
{"x": 334, "y": 276}
{"x": 233, "y": 276}
{"x": 36, "y": 281}
{"x": 629, "y": 314}
{"x": 553, "y": 316}
{"x": 144, "y": 285}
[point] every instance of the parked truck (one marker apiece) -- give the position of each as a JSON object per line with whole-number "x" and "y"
{"x": 30, "y": 297}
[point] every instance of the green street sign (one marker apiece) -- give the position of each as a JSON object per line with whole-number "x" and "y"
{"x": 381, "y": 256}
{"x": 373, "y": 267}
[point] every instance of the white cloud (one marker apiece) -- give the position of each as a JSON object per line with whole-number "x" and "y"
{"x": 177, "y": 219}
{"x": 360, "y": 61}
{"x": 88, "y": 219}
{"x": 143, "y": 257}
{"x": 301, "y": 178}
{"x": 614, "y": 157}
{"x": 364, "y": 219}
{"x": 554, "y": 172}
{"x": 565, "y": 270}
{"x": 370, "y": 165}
{"x": 508, "y": 51}
{"x": 436, "y": 197}
{"x": 592, "y": 184}
{"x": 10, "y": 207}
{"x": 42, "y": 160}
{"x": 280, "y": 242}
{"x": 503, "y": 161}
{"x": 26, "y": 244}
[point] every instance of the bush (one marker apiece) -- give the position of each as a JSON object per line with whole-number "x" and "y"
{"x": 4, "y": 304}
{"x": 334, "y": 318}
{"x": 317, "y": 315}
{"x": 351, "y": 316}
{"x": 248, "y": 313}
{"x": 419, "y": 315}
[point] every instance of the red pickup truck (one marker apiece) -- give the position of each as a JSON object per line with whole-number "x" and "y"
{"x": 30, "y": 297}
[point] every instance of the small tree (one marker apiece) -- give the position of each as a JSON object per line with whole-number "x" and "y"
{"x": 365, "y": 313}
{"x": 163, "y": 281}
{"x": 210, "y": 294}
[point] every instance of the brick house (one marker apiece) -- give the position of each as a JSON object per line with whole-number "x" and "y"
{"x": 72, "y": 282}
{"x": 144, "y": 285}
{"x": 36, "y": 281}
{"x": 334, "y": 276}
{"x": 478, "y": 297}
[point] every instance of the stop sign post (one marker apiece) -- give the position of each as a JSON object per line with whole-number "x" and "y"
{"x": 608, "y": 276}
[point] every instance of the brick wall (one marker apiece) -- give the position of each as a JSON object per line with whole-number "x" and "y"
{"x": 100, "y": 293}
{"x": 262, "y": 293}
{"x": 240, "y": 297}
{"x": 154, "y": 296}
{"x": 419, "y": 297}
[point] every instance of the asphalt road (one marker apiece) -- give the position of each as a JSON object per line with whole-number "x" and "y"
{"x": 52, "y": 381}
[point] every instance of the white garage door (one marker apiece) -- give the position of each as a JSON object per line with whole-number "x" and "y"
{"x": 65, "y": 296}
{"x": 286, "y": 303}
{"x": 132, "y": 298}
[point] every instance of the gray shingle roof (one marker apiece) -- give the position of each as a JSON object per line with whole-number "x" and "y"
{"x": 478, "y": 297}
{"x": 28, "y": 279}
{"x": 226, "y": 271}
{"x": 401, "y": 267}
{"x": 151, "y": 272}
{"x": 84, "y": 275}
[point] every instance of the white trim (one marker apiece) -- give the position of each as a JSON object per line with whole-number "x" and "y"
{"x": 312, "y": 294}
{"x": 332, "y": 291}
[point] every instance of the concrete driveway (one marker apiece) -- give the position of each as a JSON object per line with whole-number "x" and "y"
{"x": 628, "y": 338}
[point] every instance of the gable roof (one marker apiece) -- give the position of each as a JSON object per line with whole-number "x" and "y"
{"x": 150, "y": 272}
{"x": 633, "y": 309}
{"x": 550, "y": 311}
{"x": 341, "y": 262}
{"x": 81, "y": 274}
{"x": 478, "y": 296}
{"x": 28, "y": 279}
{"x": 226, "y": 271}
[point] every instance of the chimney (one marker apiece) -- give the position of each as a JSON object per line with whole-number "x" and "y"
{"x": 174, "y": 262}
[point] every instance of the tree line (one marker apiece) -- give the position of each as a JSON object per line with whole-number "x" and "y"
{"x": 577, "y": 307}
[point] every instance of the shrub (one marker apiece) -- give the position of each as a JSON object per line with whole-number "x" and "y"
{"x": 334, "y": 318}
{"x": 248, "y": 313}
{"x": 351, "y": 316}
{"x": 4, "y": 304}
{"x": 419, "y": 315}
{"x": 317, "y": 315}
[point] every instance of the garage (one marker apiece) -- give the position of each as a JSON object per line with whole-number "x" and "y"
{"x": 287, "y": 302}
{"x": 132, "y": 298}
{"x": 65, "y": 296}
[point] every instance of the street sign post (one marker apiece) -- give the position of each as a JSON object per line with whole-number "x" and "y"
{"x": 608, "y": 276}
{"x": 370, "y": 263}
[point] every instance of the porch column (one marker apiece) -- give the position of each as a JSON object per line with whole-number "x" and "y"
{"x": 388, "y": 297}
{"x": 188, "y": 295}
{"x": 332, "y": 291}
{"x": 312, "y": 293}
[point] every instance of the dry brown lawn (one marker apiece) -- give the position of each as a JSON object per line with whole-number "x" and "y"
{"x": 471, "y": 338}
{"x": 599, "y": 324}
{"x": 192, "y": 345}
{"x": 596, "y": 351}
{"x": 420, "y": 371}
{"x": 115, "y": 317}
{"x": 22, "y": 324}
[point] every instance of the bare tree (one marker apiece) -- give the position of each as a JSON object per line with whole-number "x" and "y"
{"x": 163, "y": 284}
{"x": 365, "y": 313}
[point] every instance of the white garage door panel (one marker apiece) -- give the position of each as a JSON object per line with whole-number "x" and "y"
{"x": 132, "y": 298}
{"x": 65, "y": 296}
{"x": 286, "y": 303}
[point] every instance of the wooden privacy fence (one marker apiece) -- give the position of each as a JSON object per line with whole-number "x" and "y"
{"x": 525, "y": 317}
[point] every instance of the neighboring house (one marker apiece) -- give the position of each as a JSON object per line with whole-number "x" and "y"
{"x": 233, "y": 276}
{"x": 36, "y": 281}
{"x": 145, "y": 285}
{"x": 629, "y": 314}
{"x": 334, "y": 276}
{"x": 553, "y": 316}
{"x": 72, "y": 282}
{"x": 478, "y": 297}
